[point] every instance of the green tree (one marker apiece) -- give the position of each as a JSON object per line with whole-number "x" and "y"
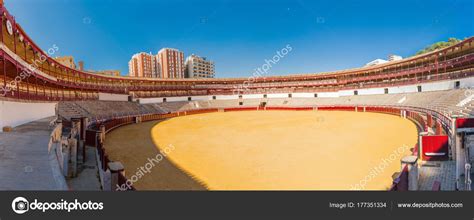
{"x": 439, "y": 45}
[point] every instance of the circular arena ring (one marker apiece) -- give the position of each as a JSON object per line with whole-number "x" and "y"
{"x": 266, "y": 150}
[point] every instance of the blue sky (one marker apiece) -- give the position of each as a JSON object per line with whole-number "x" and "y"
{"x": 240, "y": 34}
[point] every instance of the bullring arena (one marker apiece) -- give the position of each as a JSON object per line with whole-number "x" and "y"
{"x": 398, "y": 126}
{"x": 290, "y": 150}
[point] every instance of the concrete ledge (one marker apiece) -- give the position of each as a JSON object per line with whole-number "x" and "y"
{"x": 25, "y": 160}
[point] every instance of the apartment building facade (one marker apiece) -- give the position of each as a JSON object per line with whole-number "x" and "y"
{"x": 171, "y": 63}
{"x": 199, "y": 67}
{"x": 143, "y": 65}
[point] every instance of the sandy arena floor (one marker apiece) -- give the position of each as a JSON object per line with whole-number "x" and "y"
{"x": 267, "y": 150}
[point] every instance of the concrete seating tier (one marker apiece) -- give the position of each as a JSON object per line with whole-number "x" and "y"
{"x": 103, "y": 109}
{"x": 446, "y": 102}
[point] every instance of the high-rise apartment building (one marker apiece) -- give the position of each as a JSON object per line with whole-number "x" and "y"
{"x": 393, "y": 57}
{"x": 199, "y": 67}
{"x": 143, "y": 65}
{"x": 171, "y": 63}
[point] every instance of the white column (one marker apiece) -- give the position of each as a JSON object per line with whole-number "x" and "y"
{"x": 453, "y": 138}
{"x": 115, "y": 169}
{"x": 460, "y": 159}
{"x": 73, "y": 148}
{"x": 411, "y": 162}
{"x": 65, "y": 157}
{"x": 468, "y": 180}
{"x": 420, "y": 144}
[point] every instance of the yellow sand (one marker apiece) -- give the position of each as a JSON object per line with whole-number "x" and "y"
{"x": 288, "y": 150}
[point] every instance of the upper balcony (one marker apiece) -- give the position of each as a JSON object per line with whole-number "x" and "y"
{"x": 19, "y": 53}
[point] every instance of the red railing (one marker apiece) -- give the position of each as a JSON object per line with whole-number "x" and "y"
{"x": 337, "y": 108}
{"x": 386, "y": 110}
{"x": 289, "y": 108}
{"x": 201, "y": 111}
{"x": 240, "y": 109}
{"x": 93, "y": 139}
{"x": 416, "y": 117}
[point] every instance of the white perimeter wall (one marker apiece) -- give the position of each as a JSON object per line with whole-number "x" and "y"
{"x": 467, "y": 83}
{"x": 177, "y": 99}
{"x": 302, "y": 95}
{"x": 403, "y": 89}
{"x": 372, "y": 91}
{"x": 150, "y": 100}
{"x": 253, "y": 96}
{"x": 328, "y": 94}
{"x": 200, "y": 98}
{"x": 226, "y": 97}
{"x": 112, "y": 97}
{"x": 425, "y": 87}
{"x": 18, "y": 113}
{"x": 277, "y": 95}
{"x": 345, "y": 93}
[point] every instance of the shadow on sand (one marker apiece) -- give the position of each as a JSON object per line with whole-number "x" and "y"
{"x": 133, "y": 146}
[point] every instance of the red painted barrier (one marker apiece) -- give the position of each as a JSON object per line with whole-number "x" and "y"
{"x": 429, "y": 120}
{"x": 337, "y": 108}
{"x": 416, "y": 117}
{"x": 465, "y": 123}
{"x": 240, "y": 109}
{"x": 290, "y": 108}
{"x": 434, "y": 148}
{"x": 385, "y": 110}
{"x": 201, "y": 111}
{"x": 90, "y": 137}
{"x": 439, "y": 128}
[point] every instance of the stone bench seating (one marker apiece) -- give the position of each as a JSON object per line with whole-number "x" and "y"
{"x": 442, "y": 101}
